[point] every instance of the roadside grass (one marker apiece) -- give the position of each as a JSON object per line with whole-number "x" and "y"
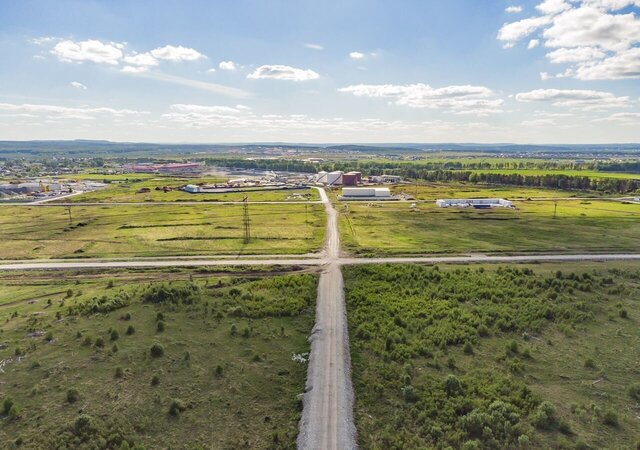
{"x": 124, "y": 190}
{"x": 157, "y": 230}
{"x": 434, "y": 191}
{"x": 579, "y": 226}
{"x": 475, "y": 357}
{"x": 222, "y": 376}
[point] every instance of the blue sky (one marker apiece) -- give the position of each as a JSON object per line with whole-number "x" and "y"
{"x": 552, "y": 71}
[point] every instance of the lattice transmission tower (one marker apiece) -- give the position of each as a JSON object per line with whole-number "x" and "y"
{"x": 246, "y": 223}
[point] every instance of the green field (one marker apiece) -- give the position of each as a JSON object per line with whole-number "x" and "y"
{"x": 540, "y": 356}
{"x": 571, "y": 173}
{"x": 126, "y": 191}
{"x": 157, "y": 230}
{"x": 78, "y": 370}
{"x": 435, "y": 191}
{"x": 579, "y": 226}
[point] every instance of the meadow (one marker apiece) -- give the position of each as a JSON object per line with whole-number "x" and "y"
{"x": 483, "y": 357}
{"x": 126, "y": 190}
{"x": 141, "y": 359}
{"x": 157, "y": 230}
{"x": 587, "y": 225}
{"x": 568, "y": 172}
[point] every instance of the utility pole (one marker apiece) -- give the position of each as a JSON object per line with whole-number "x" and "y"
{"x": 69, "y": 211}
{"x": 245, "y": 220}
{"x": 555, "y": 208}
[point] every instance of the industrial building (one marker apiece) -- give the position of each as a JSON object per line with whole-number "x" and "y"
{"x": 372, "y": 193}
{"x": 351, "y": 178}
{"x": 478, "y": 203}
{"x": 330, "y": 178}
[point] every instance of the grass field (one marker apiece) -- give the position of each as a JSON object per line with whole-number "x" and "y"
{"x": 580, "y": 225}
{"x": 435, "y": 191}
{"x": 572, "y": 173}
{"x": 474, "y": 357}
{"x": 127, "y": 191}
{"x": 79, "y": 369}
{"x": 157, "y": 230}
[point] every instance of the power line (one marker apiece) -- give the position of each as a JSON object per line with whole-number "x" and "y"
{"x": 246, "y": 223}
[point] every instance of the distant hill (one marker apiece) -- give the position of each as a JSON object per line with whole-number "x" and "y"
{"x": 81, "y": 147}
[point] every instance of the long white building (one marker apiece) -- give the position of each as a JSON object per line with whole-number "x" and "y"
{"x": 474, "y": 203}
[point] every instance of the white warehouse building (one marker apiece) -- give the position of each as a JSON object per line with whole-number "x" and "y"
{"x": 480, "y": 203}
{"x": 329, "y": 178}
{"x": 351, "y": 193}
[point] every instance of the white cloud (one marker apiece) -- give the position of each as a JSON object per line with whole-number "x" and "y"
{"x": 538, "y": 122}
{"x": 624, "y": 64}
{"x": 91, "y": 50}
{"x": 533, "y": 43}
{"x": 195, "y": 84}
{"x": 200, "y": 109}
{"x": 623, "y": 117}
{"x": 580, "y": 99}
{"x": 513, "y": 9}
{"x": 356, "y": 55}
{"x": 227, "y": 65}
{"x": 212, "y": 70}
{"x": 134, "y": 69}
{"x": 78, "y": 85}
{"x": 544, "y": 76}
{"x": 593, "y": 37}
{"x": 512, "y": 32}
{"x": 281, "y": 72}
{"x": 43, "y": 40}
{"x": 551, "y": 7}
{"x": 576, "y": 54}
{"x": 314, "y": 46}
{"x": 179, "y": 53}
{"x": 141, "y": 60}
{"x": 459, "y": 99}
{"x": 64, "y": 112}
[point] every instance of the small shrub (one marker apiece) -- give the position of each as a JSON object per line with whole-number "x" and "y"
{"x": 99, "y": 342}
{"x": 545, "y": 416}
{"x": 623, "y": 313}
{"x": 219, "y": 370}
{"x": 610, "y": 417}
{"x": 72, "y": 395}
{"x": 7, "y": 404}
{"x": 159, "y": 316}
{"x": 69, "y": 293}
{"x": 512, "y": 347}
{"x": 114, "y": 335}
{"x": 409, "y": 394}
{"x": 160, "y": 327}
{"x": 177, "y": 406}
{"x": 115, "y": 348}
{"x": 87, "y": 341}
{"x": 452, "y": 386}
{"x": 634, "y": 391}
{"x": 127, "y": 316}
{"x": 119, "y": 372}
{"x": 234, "y": 329}
{"x": 157, "y": 350}
{"x": 589, "y": 363}
{"x": 49, "y": 336}
{"x": 110, "y": 284}
{"x": 468, "y": 348}
{"x": 130, "y": 330}
{"x": 155, "y": 380}
{"x": 14, "y": 412}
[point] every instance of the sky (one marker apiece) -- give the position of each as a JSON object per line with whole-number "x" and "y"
{"x": 335, "y": 71}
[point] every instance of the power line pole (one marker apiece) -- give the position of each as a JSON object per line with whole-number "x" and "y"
{"x": 245, "y": 220}
{"x": 69, "y": 211}
{"x": 555, "y": 209}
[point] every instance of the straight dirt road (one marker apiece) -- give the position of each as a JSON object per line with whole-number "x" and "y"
{"x": 327, "y": 416}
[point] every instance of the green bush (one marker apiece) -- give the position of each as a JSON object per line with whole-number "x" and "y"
{"x": 468, "y": 348}
{"x": 160, "y": 327}
{"x": 155, "y": 380}
{"x": 634, "y": 391}
{"x": 157, "y": 350}
{"x": 130, "y": 330}
{"x": 114, "y": 335}
{"x": 544, "y": 417}
{"x": 99, "y": 342}
{"x": 72, "y": 395}
{"x": 119, "y": 372}
{"x": 6, "y": 405}
{"x": 589, "y": 363}
{"x": 177, "y": 293}
{"x": 610, "y": 417}
{"x": 176, "y": 407}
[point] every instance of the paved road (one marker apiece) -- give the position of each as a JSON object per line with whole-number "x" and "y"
{"x": 327, "y": 416}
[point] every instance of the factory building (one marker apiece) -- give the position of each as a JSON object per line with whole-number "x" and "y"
{"x": 330, "y": 178}
{"x": 351, "y": 193}
{"x": 478, "y": 203}
{"x": 351, "y": 178}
